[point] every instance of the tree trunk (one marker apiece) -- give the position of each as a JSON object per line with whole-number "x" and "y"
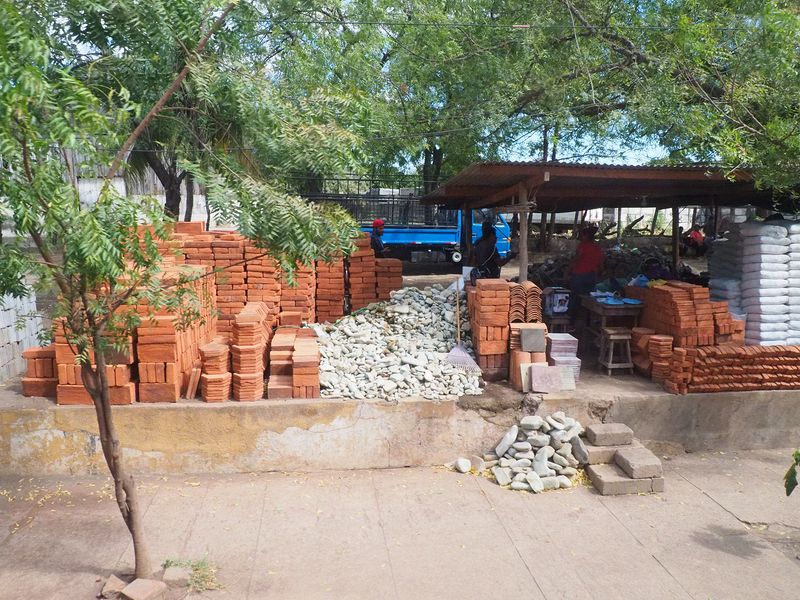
{"x": 189, "y": 197}
{"x": 170, "y": 181}
{"x": 431, "y": 171}
{"x": 654, "y": 222}
{"x": 96, "y": 383}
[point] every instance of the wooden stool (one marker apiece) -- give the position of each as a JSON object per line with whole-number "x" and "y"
{"x": 615, "y": 340}
{"x": 558, "y": 324}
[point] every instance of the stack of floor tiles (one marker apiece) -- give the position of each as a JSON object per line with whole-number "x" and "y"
{"x": 743, "y": 368}
{"x": 299, "y": 297}
{"x": 280, "y": 385}
{"x": 231, "y": 281}
{"x": 681, "y": 310}
{"x": 562, "y": 351}
{"x": 659, "y": 349}
{"x": 765, "y": 285}
{"x": 41, "y": 376}
{"x": 793, "y": 333}
{"x": 725, "y": 269}
{"x": 70, "y": 389}
{"x": 251, "y": 335}
{"x": 619, "y": 464}
{"x": 533, "y": 302}
{"x": 305, "y": 365}
{"x": 489, "y": 314}
{"x": 388, "y": 277}
{"x": 263, "y": 280}
{"x": 330, "y": 290}
{"x": 361, "y": 274}
{"x": 215, "y": 382}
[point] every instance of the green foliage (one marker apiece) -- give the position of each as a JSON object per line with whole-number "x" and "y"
{"x": 790, "y": 479}
{"x": 202, "y": 573}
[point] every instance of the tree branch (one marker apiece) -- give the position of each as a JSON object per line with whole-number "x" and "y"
{"x": 156, "y": 108}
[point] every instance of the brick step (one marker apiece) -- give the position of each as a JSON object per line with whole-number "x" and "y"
{"x": 611, "y": 480}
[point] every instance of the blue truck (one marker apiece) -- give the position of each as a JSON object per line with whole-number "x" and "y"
{"x": 409, "y": 226}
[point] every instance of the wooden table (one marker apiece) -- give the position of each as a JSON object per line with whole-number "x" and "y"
{"x": 597, "y": 315}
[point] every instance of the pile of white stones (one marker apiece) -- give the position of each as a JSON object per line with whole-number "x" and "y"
{"x": 397, "y": 349}
{"x": 540, "y": 454}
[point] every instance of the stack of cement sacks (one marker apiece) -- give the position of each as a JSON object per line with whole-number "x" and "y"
{"x": 725, "y": 266}
{"x": 793, "y": 336}
{"x": 765, "y": 285}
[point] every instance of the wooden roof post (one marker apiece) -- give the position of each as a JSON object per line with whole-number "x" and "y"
{"x": 522, "y": 201}
{"x": 676, "y": 239}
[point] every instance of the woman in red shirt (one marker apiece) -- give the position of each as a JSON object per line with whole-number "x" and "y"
{"x": 584, "y": 268}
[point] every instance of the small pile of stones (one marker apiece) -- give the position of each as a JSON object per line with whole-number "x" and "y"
{"x": 539, "y": 454}
{"x": 397, "y": 349}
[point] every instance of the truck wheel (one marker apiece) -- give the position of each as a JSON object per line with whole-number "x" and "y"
{"x": 456, "y": 257}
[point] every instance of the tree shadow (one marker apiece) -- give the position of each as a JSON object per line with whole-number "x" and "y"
{"x": 736, "y": 542}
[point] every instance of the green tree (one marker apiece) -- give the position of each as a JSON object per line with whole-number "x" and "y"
{"x": 91, "y": 254}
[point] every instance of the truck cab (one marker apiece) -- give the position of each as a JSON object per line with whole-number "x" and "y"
{"x": 439, "y": 231}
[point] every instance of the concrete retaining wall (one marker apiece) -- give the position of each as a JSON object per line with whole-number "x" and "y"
{"x": 39, "y": 438}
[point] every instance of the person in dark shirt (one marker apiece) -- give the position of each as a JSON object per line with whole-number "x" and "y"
{"x": 485, "y": 258}
{"x": 375, "y": 239}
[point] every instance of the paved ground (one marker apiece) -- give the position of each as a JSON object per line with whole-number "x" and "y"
{"x": 722, "y": 530}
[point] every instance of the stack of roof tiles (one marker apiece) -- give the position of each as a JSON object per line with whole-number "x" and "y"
{"x": 489, "y": 305}
{"x": 251, "y": 335}
{"x": 330, "y": 290}
{"x": 231, "y": 282}
{"x": 361, "y": 274}
{"x": 41, "y": 376}
{"x": 518, "y": 303}
{"x": 215, "y": 382}
{"x": 533, "y": 302}
{"x": 299, "y": 296}
{"x": 388, "y": 277}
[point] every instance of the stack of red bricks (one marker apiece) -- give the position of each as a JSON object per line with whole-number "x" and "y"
{"x": 640, "y": 349}
{"x": 489, "y": 306}
{"x": 681, "y": 310}
{"x": 40, "y": 378}
{"x": 305, "y": 365}
{"x": 70, "y": 389}
{"x": 659, "y": 348}
{"x": 330, "y": 290}
{"x": 727, "y": 330}
{"x": 248, "y": 349}
{"x": 166, "y": 353}
{"x": 299, "y": 297}
{"x": 263, "y": 280}
{"x": 280, "y": 384}
{"x": 388, "y": 277}
{"x": 215, "y": 382}
{"x": 361, "y": 274}
{"x": 680, "y": 371}
{"x": 231, "y": 282}
{"x": 732, "y": 368}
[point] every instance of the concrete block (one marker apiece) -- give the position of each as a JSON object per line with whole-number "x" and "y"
{"x": 113, "y": 587}
{"x": 609, "y": 434}
{"x": 638, "y": 463}
{"x": 144, "y": 589}
{"x": 657, "y": 484}
{"x": 533, "y": 340}
{"x": 610, "y": 480}
{"x": 599, "y": 455}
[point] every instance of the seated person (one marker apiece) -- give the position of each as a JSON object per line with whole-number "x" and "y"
{"x": 697, "y": 241}
{"x": 485, "y": 258}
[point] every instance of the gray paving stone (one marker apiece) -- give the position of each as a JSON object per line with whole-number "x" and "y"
{"x": 638, "y": 463}
{"x": 598, "y": 455}
{"x": 144, "y": 589}
{"x": 609, "y": 434}
{"x": 610, "y": 480}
